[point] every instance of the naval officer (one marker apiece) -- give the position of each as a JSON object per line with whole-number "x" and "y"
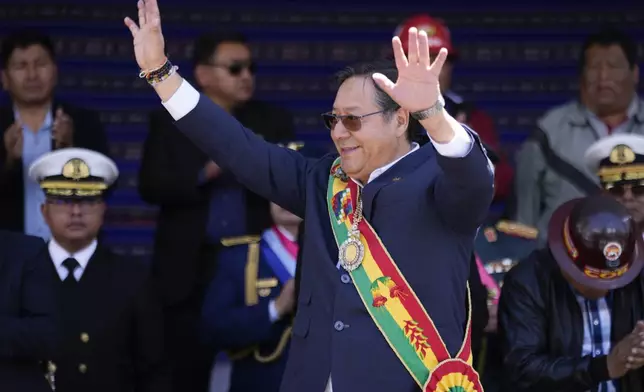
{"x": 618, "y": 161}
{"x": 110, "y": 321}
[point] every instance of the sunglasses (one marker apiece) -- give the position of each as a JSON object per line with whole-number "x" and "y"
{"x": 351, "y": 122}
{"x": 620, "y": 190}
{"x": 236, "y": 68}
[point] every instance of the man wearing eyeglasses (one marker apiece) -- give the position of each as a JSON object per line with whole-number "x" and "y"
{"x": 389, "y": 225}
{"x": 200, "y": 202}
{"x": 618, "y": 161}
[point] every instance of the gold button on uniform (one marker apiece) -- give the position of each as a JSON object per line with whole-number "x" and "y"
{"x": 84, "y": 337}
{"x": 82, "y": 368}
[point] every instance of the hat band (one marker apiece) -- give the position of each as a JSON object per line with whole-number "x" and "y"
{"x": 73, "y": 192}
{"x": 603, "y": 274}
{"x": 621, "y": 173}
{"x": 89, "y": 186}
{"x": 73, "y": 188}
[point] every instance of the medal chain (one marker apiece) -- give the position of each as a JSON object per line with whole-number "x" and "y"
{"x": 357, "y": 215}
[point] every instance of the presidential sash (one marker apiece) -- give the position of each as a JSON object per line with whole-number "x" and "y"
{"x": 392, "y": 303}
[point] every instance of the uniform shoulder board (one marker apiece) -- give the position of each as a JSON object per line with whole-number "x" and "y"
{"x": 517, "y": 229}
{"x": 241, "y": 240}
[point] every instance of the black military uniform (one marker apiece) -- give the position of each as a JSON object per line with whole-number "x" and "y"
{"x": 110, "y": 321}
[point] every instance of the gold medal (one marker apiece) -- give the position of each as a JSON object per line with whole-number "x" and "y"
{"x": 351, "y": 253}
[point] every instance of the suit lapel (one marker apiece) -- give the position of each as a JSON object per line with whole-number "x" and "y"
{"x": 395, "y": 173}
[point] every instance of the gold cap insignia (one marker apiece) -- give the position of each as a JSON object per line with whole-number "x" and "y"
{"x": 622, "y": 154}
{"x": 76, "y": 169}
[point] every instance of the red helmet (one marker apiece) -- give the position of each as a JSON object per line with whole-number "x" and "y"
{"x": 437, "y": 33}
{"x": 596, "y": 242}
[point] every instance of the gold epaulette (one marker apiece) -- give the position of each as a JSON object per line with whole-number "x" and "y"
{"x": 241, "y": 240}
{"x": 517, "y": 229}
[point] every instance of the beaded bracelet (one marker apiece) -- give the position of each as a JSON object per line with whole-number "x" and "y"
{"x": 160, "y": 74}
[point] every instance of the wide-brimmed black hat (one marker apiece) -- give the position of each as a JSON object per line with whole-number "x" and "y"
{"x": 596, "y": 242}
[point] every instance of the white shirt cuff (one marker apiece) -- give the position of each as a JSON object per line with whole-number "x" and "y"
{"x": 272, "y": 312}
{"x": 458, "y": 147}
{"x": 182, "y": 101}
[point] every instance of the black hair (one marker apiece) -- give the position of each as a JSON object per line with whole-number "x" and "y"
{"x": 23, "y": 39}
{"x": 382, "y": 99}
{"x": 206, "y": 45}
{"x": 608, "y": 36}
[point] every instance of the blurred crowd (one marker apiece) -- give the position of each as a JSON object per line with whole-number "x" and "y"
{"x": 213, "y": 312}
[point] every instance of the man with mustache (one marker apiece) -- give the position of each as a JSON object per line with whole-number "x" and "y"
{"x": 110, "y": 321}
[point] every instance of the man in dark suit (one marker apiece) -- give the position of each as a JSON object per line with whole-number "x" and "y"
{"x": 27, "y": 313}
{"x": 361, "y": 325}
{"x": 111, "y": 323}
{"x": 199, "y": 202}
{"x": 32, "y": 124}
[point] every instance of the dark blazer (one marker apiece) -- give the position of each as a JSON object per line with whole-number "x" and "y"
{"x": 426, "y": 210}
{"x": 244, "y": 328}
{"x": 112, "y": 329}
{"x": 168, "y": 177}
{"x": 88, "y": 133}
{"x": 27, "y": 313}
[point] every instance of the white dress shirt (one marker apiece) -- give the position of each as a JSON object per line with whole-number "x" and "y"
{"x": 58, "y": 254}
{"x": 186, "y": 98}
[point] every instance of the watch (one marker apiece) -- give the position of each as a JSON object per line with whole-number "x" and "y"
{"x": 431, "y": 111}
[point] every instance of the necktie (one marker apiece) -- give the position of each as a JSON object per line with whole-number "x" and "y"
{"x": 70, "y": 264}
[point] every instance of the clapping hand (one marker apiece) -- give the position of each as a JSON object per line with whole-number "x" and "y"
{"x": 417, "y": 86}
{"x": 628, "y": 353}
{"x": 636, "y": 358}
{"x": 13, "y": 142}
{"x": 63, "y": 129}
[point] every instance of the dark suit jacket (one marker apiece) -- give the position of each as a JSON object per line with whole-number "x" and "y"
{"x": 27, "y": 309}
{"x": 88, "y": 133}
{"x": 426, "y": 210}
{"x": 117, "y": 310}
{"x": 168, "y": 177}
